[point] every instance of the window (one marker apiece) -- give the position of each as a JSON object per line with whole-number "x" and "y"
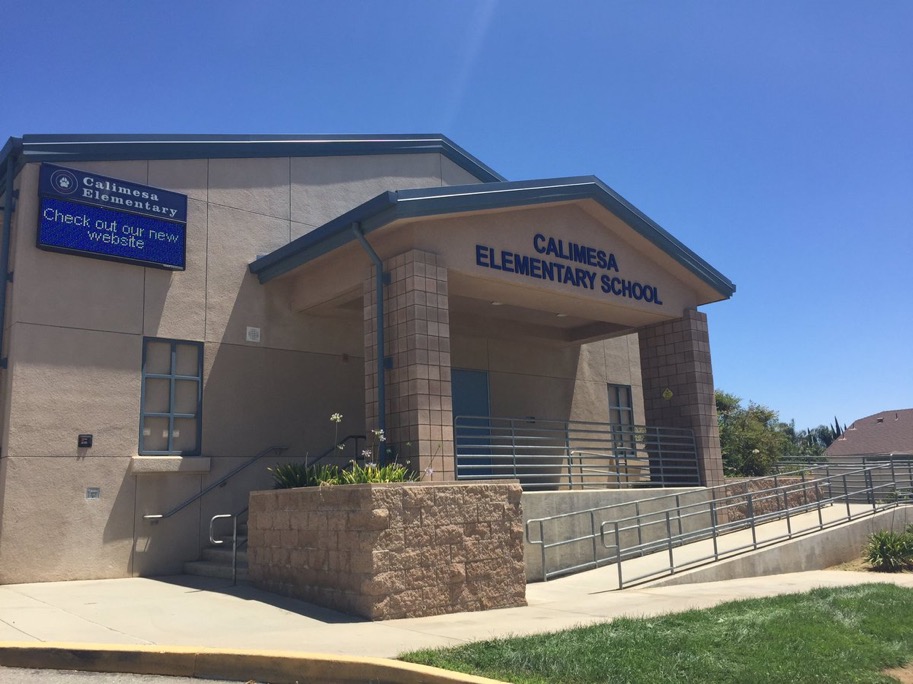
{"x": 172, "y": 397}
{"x": 621, "y": 418}
{"x": 621, "y": 410}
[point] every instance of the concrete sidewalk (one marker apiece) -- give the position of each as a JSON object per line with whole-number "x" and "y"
{"x": 189, "y": 625}
{"x": 193, "y": 611}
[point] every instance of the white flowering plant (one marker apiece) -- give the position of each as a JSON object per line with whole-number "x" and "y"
{"x": 377, "y": 466}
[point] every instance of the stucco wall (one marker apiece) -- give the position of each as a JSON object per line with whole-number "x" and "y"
{"x": 551, "y": 381}
{"x": 75, "y": 330}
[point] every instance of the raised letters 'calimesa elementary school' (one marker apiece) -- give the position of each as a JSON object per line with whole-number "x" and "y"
{"x": 175, "y": 306}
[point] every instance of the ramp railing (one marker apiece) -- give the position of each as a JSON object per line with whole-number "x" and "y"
{"x": 548, "y": 454}
{"x": 596, "y": 537}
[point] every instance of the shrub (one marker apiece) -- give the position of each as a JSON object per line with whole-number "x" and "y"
{"x": 899, "y": 496}
{"x": 889, "y": 551}
{"x": 378, "y": 467}
{"x": 369, "y": 472}
{"x": 290, "y": 475}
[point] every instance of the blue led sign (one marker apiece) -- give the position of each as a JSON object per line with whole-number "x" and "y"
{"x": 84, "y": 213}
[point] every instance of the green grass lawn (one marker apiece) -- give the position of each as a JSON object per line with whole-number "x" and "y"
{"x": 838, "y": 635}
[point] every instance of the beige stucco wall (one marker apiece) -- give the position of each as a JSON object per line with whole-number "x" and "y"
{"x": 549, "y": 381}
{"x": 75, "y": 330}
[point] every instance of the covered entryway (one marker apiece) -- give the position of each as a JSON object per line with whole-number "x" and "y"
{"x": 553, "y": 290}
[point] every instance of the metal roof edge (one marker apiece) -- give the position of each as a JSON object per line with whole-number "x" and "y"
{"x": 62, "y": 148}
{"x": 663, "y": 239}
{"x": 321, "y": 240}
{"x": 391, "y": 206}
{"x": 11, "y": 147}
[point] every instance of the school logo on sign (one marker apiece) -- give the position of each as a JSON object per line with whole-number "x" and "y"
{"x": 64, "y": 181}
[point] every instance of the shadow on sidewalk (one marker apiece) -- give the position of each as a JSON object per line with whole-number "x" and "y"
{"x": 248, "y": 592}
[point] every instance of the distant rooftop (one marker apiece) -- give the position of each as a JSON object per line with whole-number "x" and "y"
{"x": 887, "y": 432}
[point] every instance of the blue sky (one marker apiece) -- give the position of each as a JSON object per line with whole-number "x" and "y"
{"x": 774, "y": 138}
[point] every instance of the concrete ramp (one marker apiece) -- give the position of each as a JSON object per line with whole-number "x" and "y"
{"x": 815, "y": 550}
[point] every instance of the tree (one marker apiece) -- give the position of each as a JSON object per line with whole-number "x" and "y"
{"x": 752, "y": 439}
{"x": 813, "y": 442}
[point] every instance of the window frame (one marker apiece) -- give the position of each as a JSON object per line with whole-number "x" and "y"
{"x": 615, "y": 403}
{"x": 623, "y": 433}
{"x": 172, "y": 377}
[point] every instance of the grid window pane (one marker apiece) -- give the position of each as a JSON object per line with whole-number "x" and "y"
{"x": 185, "y": 396}
{"x": 184, "y": 435}
{"x": 158, "y": 357}
{"x": 158, "y": 395}
{"x": 175, "y": 390}
{"x": 155, "y": 434}
{"x": 187, "y": 360}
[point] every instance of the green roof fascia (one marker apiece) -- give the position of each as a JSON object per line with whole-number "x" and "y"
{"x": 391, "y": 206}
{"x": 63, "y": 148}
{"x": 11, "y": 149}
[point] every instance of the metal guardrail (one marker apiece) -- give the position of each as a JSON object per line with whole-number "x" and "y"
{"x": 236, "y": 517}
{"x": 548, "y": 454}
{"x": 155, "y": 517}
{"x": 234, "y": 541}
{"x": 337, "y": 449}
{"x": 899, "y": 469}
{"x": 612, "y": 534}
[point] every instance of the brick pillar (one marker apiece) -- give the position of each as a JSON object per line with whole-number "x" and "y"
{"x": 676, "y": 356}
{"x": 417, "y": 337}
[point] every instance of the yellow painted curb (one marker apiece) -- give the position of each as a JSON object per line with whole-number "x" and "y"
{"x": 277, "y": 667}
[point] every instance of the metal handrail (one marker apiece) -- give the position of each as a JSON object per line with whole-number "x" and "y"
{"x": 672, "y": 540}
{"x": 333, "y": 449}
{"x": 547, "y": 453}
{"x": 155, "y": 517}
{"x": 236, "y": 516}
{"x": 234, "y": 542}
{"x": 714, "y": 503}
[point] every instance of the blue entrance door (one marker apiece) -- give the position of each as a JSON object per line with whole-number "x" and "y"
{"x": 471, "y": 427}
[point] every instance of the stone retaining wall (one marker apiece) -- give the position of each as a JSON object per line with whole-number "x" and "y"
{"x": 386, "y": 551}
{"x": 798, "y": 494}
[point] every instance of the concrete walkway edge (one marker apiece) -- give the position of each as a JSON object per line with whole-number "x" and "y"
{"x": 277, "y": 667}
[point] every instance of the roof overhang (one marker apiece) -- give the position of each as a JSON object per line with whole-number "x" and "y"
{"x": 61, "y": 149}
{"x": 396, "y": 206}
{"x": 475, "y": 228}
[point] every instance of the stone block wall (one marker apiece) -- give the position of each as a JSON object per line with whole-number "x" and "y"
{"x": 798, "y": 494}
{"x": 419, "y": 407}
{"x": 676, "y": 356}
{"x": 385, "y": 551}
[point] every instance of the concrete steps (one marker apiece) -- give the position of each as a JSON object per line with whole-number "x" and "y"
{"x": 215, "y": 569}
{"x": 215, "y": 561}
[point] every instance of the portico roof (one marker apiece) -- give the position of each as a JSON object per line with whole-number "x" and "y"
{"x": 393, "y": 206}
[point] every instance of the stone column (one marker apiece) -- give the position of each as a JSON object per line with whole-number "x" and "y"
{"x": 675, "y": 355}
{"x": 419, "y": 406}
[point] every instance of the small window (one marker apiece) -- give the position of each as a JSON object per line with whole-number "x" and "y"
{"x": 621, "y": 418}
{"x": 172, "y": 397}
{"x": 621, "y": 410}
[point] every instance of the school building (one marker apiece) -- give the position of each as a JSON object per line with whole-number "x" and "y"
{"x": 174, "y": 306}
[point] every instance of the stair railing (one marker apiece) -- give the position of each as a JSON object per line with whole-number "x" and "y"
{"x": 155, "y": 517}
{"x": 236, "y": 516}
{"x": 234, "y": 542}
{"x": 338, "y": 447}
